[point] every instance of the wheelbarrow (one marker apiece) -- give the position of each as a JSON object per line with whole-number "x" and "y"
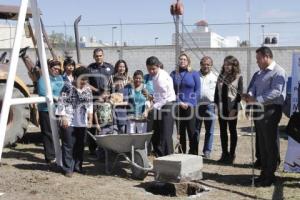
{"x": 133, "y": 147}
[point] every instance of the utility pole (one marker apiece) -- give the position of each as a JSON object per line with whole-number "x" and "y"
{"x": 155, "y": 40}
{"x": 121, "y": 41}
{"x": 249, "y": 45}
{"x": 177, "y": 10}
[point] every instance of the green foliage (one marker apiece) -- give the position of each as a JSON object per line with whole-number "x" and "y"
{"x": 59, "y": 41}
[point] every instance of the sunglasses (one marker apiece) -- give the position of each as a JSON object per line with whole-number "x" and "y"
{"x": 56, "y": 69}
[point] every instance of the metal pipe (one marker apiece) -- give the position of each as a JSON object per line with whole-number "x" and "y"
{"x": 12, "y": 72}
{"x": 132, "y": 153}
{"x": 50, "y": 47}
{"x": 77, "y": 38}
{"x": 177, "y": 45}
{"x": 33, "y": 38}
{"x": 28, "y": 100}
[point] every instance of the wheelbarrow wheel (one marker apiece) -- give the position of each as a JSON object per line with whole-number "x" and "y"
{"x": 140, "y": 158}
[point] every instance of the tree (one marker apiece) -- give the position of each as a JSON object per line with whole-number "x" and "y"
{"x": 244, "y": 43}
{"x": 58, "y": 40}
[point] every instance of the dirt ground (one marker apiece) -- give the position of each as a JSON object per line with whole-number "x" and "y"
{"x": 23, "y": 175}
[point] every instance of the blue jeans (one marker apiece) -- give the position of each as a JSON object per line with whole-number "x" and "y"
{"x": 206, "y": 114}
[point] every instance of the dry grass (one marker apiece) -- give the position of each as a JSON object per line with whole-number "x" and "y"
{"x": 24, "y": 176}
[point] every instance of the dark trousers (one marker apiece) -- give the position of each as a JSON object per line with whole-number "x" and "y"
{"x": 257, "y": 151}
{"x": 224, "y": 137}
{"x": 49, "y": 151}
{"x": 267, "y": 130}
{"x": 150, "y": 121}
{"x": 187, "y": 122}
{"x": 72, "y": 148}
{"x": 163, "y": 123}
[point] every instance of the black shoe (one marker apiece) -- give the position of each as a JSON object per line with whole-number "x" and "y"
{"x": 259, "y": 180}
{"x": 224, "y": 158}
{"x": 264, "y": 182}
{"x": 257, "y": 164}
{"x": 23, "y": 51}
{"x": 231, "y": 158}
{"x": 50, "y": 161}
{"x": 80, "y": 171}
{"x": 268, "y": 182}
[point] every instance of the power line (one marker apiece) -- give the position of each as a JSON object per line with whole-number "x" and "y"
{"x": 126, "y": 24}
{"x": 6, "y": 39}
{"x": 170, "y": 23}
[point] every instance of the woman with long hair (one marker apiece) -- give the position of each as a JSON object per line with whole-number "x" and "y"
{"x": 118, "y": 82}
{"x": 187, "y": 89}
{"x": 227, "y": 97}
{"x": 69, "y": 67}
{"x": 120, "y": 77}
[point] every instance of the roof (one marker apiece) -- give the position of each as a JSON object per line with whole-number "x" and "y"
{"x": 201, "y": 23}
{"x": 11, "y": 12}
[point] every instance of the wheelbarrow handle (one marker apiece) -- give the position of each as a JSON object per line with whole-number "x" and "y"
{"x": 92, "y": 136}
{"x": 149, "y": 169}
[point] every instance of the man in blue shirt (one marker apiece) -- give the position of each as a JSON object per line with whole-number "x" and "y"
{"x": 100, "y": 75}
{"x": 269, "y": 90}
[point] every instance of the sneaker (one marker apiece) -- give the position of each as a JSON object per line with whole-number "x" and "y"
{"x": 206, "y": 155}
{"x": 68, "y": 174}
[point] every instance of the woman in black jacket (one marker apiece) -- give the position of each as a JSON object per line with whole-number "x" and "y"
{"x": 227, "y": 97}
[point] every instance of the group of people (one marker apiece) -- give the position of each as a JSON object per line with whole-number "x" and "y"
{"x": 156, "y": 101}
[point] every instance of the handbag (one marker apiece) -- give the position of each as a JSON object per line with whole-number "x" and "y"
{"x": 293, "y": 127}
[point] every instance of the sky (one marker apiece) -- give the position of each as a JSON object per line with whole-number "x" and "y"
{"x": 59, "y": 16}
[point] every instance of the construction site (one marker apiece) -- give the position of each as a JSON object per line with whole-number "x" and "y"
{"x": 125, "y": 165}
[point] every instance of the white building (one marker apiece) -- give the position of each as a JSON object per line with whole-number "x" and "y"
{"x": 92, "y": 42}
{"x": 7, "y": 35}
{"x": 271, "y": 39}
{"x": 203, "y": 37}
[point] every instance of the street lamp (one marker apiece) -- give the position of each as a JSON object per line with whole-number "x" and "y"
{"x": 155, "y": 39}
{"x": 263, "y": 34}
{"x": 65, "y": 35}
{"x": 112, "y": 35}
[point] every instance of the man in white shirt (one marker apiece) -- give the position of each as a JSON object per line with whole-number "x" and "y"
{"x": 164, "y": 96}
{"x": 206, "y": 107}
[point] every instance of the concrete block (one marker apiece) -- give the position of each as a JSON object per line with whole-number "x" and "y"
{"x": 178, "y": 168}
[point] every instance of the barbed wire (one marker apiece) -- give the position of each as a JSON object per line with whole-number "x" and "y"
{"x": 171, "y": 23}
{"x": 7, "y": 39}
